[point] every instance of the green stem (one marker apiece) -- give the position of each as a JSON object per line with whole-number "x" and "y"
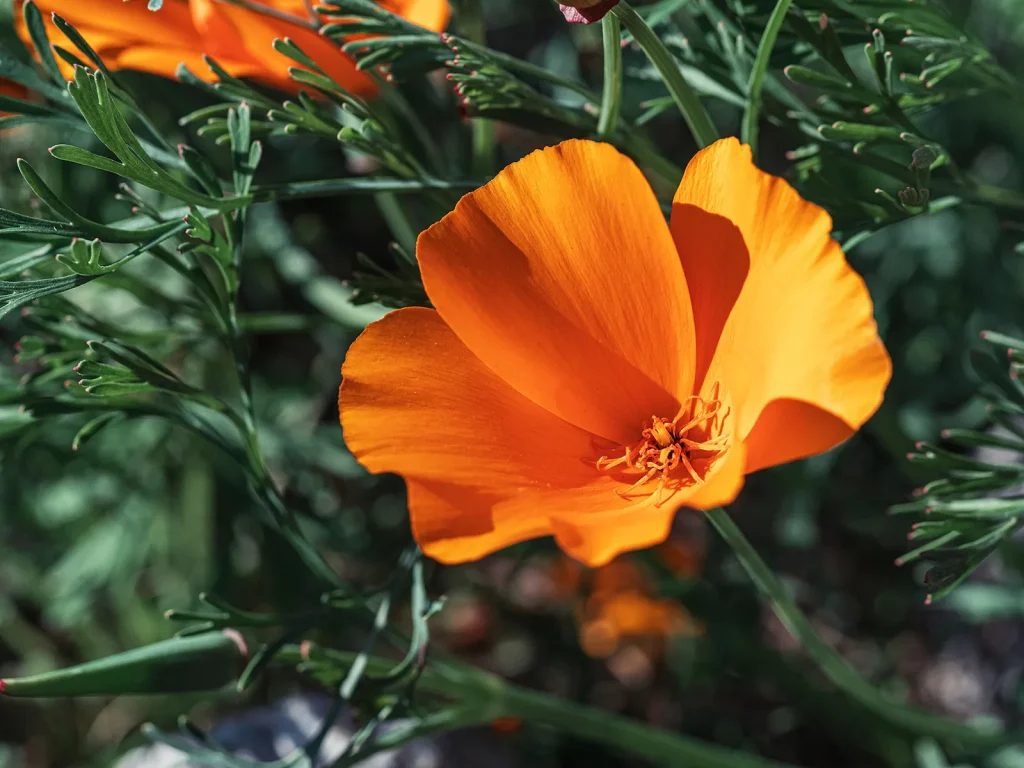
{"x": 685, "y": 97}
{"x": 470, "y": 19}
{"x": 831, "y": 662}
{"x": 490, "y": 698}
{"x": 626, "y": 736}
{"x": 758, "y": 74}
{"x": 611, "y": 99}
{"x": 990, "y": 195}
{"x": 298, "y": 190}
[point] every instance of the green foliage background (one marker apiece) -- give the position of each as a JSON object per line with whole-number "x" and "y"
{"x": 98, "y": 542}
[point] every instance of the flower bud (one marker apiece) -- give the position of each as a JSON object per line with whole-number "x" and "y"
{"x": 586, "y": 11}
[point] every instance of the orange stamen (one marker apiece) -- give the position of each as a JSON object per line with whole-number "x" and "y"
{"x": 666, "y": 452}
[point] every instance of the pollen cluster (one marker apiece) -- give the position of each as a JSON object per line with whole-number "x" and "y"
{"x": 677, "y": 452}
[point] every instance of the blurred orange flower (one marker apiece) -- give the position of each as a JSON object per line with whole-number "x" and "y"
{"x": 127, "y": 35}
{"x": 620, "y": 608}
{"x": 590, "y": 369}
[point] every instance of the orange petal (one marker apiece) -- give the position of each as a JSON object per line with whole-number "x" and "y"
{"x": 802, "y": 327}
{"x": 485, "y": 466}
{"x": 454, "y": 524}
{"x": 562, "y": 277}
{"x": 414, "y": 400}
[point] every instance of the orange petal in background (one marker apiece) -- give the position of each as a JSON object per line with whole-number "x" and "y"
{"x": 801, "y": 328}
{"x": 562, "y": 277}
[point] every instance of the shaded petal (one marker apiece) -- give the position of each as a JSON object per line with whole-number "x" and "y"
{"x": 802, "y": 326}
{"x": 715, "y": 262}
{"x": 562, "y": 277}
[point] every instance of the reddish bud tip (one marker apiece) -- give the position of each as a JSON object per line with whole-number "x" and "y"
{"x": 911, "y": 456}
{"x": 984, "y": 335}
{"x": 823, "y": 22}
{"x": 898, "y": 562}
{"x": 928, "y": 510}
{"x": 945, "y": 434}
{"x": 234, "y": 634}
{"x": 919, "y": 446}
{"x": 304, "y": 649}
{"x": 928, "y": 600}
{"x": 3, "y": 684}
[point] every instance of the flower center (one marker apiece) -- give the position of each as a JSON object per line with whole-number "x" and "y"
{"x": 677, "y": 453}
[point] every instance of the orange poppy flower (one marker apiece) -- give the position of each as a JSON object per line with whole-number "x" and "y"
{"x": 590, "y": 369}
{"x": 586, "y": 11}
{"x": 127, "y": 35}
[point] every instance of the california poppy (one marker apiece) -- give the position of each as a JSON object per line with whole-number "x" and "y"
{"x": 127, "y": 35}
{"x": 586, "y": 11}
{"x": 589, "y": 369}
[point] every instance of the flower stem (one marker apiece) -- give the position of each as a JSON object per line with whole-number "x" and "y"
{"x": 298, "y": 190}
{"x": 482, "y": 697}
{"x": 471, "y": 22}
{"x": 685, "y": 97}
{"x": 748, "y": 133}
{"x": 627, "y": 736}
{"x": 611, "y": 99}
{"x": 831, "y": 662}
